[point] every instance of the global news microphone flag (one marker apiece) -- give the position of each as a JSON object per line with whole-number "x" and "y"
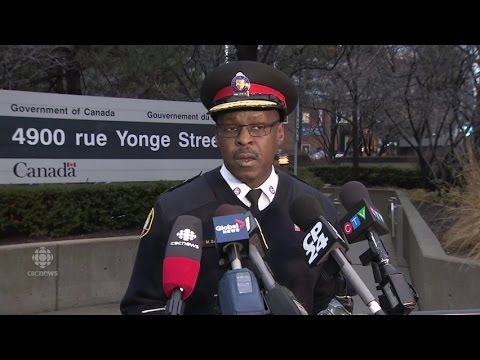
{"x": 238, "y": 289}
{"x": 231, "y": 234}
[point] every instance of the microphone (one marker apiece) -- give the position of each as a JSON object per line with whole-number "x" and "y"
{"x": 181, "y": 264}
{"x": 280, "y": 300}
{"x": 253, "y": 228}
{"x": 238, "y": 290}
{"x": 364, "y": 221}
{"x": 362, "y": 215}
{"x": 231, "y": 235}
{"x": 321, "y": 240}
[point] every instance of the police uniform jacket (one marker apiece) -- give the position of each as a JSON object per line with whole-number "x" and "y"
{"x": 200, "y": 197}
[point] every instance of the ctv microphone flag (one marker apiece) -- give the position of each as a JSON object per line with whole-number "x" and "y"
{"x": 362, "y": 215}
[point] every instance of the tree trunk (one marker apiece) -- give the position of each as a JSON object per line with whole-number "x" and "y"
{"x": 74, "y": 85}
{"x": 355, "y": 170}
{"x": 73, "y": 73}
{"x": 247, "y": 52}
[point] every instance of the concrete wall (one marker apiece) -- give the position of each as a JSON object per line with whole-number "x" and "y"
{"x": 443, "y": 281}
{"x": 379, "y": 198}
{"x": 81, "y": 273}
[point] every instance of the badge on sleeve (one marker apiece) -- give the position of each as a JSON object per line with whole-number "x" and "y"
{"x": 148, "y": 223}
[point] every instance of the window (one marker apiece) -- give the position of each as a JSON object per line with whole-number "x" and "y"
{"x": 312, "y": 131}
{"x": 305, "y": 118}
{"x": 306, "y": 148}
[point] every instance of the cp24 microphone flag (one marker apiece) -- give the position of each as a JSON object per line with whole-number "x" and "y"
{"x": 321, "y": 237}
{"x": 322, "y": 240}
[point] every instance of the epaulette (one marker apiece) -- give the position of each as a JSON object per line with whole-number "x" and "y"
{"x": 182, "y": 183}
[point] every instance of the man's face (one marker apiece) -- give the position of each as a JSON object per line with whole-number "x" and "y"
{"x": 247, "y": 157}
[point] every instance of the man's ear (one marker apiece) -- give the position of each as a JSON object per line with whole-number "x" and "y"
{"x": 280, "y": 133}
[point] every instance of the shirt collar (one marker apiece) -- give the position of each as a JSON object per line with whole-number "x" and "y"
{"x": 269, "y": 187}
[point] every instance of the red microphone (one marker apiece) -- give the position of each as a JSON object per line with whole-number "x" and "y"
{"x": 182, "y": 262}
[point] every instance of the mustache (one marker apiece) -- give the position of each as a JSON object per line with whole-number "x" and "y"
{"x": 245, "y": 151}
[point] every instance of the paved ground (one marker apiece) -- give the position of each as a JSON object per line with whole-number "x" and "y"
{"x": 106, "y": 309}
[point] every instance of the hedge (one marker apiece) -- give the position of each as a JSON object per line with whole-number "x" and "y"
{"x": 70, "y": 209}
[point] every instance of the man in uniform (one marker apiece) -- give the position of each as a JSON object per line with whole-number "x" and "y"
{"x": 249, "y": 102}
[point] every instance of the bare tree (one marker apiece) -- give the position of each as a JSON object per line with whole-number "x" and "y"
{"x": 349, "y": 92}
{"x": 431, "y": 103}
{"x": 247, "y": 52}
{"x": 427, "y": 95}
{"x": 306, "y": 64}
{"x": 472, "y": 52}
{"x": 163, "y": 72}
{"x": 137, "y": 71}
{"x": 50, "y": 68}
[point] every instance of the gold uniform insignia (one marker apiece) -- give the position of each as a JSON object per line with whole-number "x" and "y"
{"x": 240, "y": 85}
{"x": 208, "y": 242}
{"x": 148, "y": 223}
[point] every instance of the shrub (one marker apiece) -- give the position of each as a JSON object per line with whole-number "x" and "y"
{"x": 464, "y": 235}
{"x": 59, "y": 210}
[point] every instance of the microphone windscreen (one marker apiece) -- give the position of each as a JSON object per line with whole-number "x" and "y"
{"x": 240, "y": 209}
{"x": 227, "y": 209}
{"x": 305, "y": 211}
{"x": 351, "y": 193}
{"x": 281, "y": 301}
{"x": 183, "y": 252}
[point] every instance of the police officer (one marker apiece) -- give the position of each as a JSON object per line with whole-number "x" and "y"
{"x": 249, "y": 102}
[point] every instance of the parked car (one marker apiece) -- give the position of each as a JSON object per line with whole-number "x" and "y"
{"x": 318, "y": 155}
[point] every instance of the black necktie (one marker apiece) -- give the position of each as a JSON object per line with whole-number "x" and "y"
{"x": 253, "y": 196}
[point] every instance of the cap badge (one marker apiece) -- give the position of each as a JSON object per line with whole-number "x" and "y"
{"x": 240, "y": 85}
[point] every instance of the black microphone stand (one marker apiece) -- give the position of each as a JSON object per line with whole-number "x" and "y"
{"x": 175, "y": 305}
{"x": 398, "y": 295}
